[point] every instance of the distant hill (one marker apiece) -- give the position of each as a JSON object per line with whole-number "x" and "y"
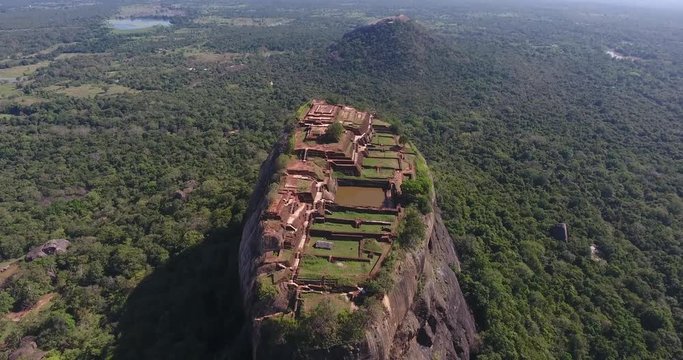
{"x": 395, "y": 45}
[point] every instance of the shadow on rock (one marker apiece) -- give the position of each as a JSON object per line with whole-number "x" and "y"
{"x": 190, "y": 308}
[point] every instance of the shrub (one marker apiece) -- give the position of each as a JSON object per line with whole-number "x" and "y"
{"x": 6, "y": 302}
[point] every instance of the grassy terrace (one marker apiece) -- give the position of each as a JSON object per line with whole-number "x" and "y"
{"x": 314, "y": 267}
{"x": 381, "y": 139}
{"x": 374, "y": 246}
{"x": 383, "y": 154}
{"x": 347, "y": 228}
{"x": 340, "y": 248}
{"x": 409, "y": 149}
{"x": 378, "y": 122}
{"x": 374, "y": 173}
{"x": 353, "y": 215}
{"x": 311, "y": 300}
{"x": 381, "y": 162}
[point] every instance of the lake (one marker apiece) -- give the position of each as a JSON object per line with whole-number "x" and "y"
{"x": 136, "y": 23}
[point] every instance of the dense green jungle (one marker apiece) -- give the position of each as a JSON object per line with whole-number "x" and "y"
{"x": 142, "y": 148}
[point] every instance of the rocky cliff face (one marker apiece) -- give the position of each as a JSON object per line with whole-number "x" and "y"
{"x": 426, "y": 316}
{"x": 251, "y": 249}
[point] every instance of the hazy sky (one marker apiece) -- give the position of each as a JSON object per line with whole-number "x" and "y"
{"x": 647, "y": 3}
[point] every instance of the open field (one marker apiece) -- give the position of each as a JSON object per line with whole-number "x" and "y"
{"x": 25, "y": 70}
{"x": 65, "y": 56}
{"x": 242, "y": 21}
{"x": 340, "y": 248}
{"x": 90, "y": 90}
{"x": 148, "y": 10}
{"x": 10, "y": 94}
{"x": 7, "y": 90}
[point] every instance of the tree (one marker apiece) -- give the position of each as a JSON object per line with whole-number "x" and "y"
{"x": 334, "y": 132}
{"x": 412, "y": 228}
{"x": 416, "y": 192}
{"x": 127, "y": 260}
{"x": 320, "y": 327}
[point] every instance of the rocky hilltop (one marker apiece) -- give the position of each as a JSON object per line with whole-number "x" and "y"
{"x": 344, "y": 254}
{"x": 395, "y": 46}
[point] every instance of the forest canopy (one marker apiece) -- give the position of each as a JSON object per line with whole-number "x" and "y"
{"x": 142, "y": 148}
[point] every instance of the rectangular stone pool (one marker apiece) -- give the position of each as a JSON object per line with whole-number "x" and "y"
{"x": 353, "y": 196}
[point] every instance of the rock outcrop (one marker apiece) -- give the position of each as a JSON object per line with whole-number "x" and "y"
{"x": 426, "y": 315}
{"x": 438, "y": 324}
{"x": 27, "y": 351}
{"x": 54, "y": 246}
{"x": 560, "y": 232}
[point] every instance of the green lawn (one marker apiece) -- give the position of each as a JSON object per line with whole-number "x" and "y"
{"x": 316, "y": 267}
{"x": 353, "y": 215}
{"x": 363, "y": 229}
{"x": 340, "y": 248}
{"x": 381, "y": 162}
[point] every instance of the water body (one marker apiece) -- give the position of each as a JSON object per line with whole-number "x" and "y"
{"x": 361, "y": 196}
{"x": 136, "y": 23}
